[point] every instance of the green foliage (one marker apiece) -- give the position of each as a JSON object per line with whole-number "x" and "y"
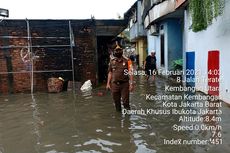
{"x": 204, "y": 11}
{"x": 209, "y": 12}
{"x": 177, "y": 64}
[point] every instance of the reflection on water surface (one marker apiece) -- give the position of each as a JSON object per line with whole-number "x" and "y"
{"x": 55, "y": 123}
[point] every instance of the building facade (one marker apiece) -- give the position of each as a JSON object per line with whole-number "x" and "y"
{"x": 137, "y": 31}
{"x": 164, "y": 31}
{"x": 32, "y": 51}
{"x": 206, "y": 53}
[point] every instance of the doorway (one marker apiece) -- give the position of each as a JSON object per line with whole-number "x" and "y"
{"x": 162, "y": 37}
{"x": 103, "y": 57}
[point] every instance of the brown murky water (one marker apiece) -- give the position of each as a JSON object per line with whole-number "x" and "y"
{"x": 88, "y": 123}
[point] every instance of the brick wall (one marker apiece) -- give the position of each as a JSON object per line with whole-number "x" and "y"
{"x": 49, "y": 35}
{"x": 85, "y": 52}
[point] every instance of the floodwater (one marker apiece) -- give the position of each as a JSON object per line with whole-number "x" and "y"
{"x": 88, "y": 123}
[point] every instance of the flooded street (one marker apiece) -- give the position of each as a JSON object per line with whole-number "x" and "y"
{"x": 63, "y": 123}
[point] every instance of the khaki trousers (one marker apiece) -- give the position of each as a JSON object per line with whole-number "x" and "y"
{"x": 120, "y": 91}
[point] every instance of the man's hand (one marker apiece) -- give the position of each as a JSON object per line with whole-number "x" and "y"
{"x": 108, "y": 87}
{"x": 131, "y": 87}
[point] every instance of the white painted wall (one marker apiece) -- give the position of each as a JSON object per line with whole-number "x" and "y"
{"x": 216, "y": 37}
{"x": 151, "y": 42}
{"x": 154, "y": 44}
{"x": 166, "y": 66}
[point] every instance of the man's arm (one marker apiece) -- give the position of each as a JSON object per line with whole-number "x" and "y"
{"x": 131, "y": 83}
{"x": 144, "y": 64}
{"x": 131, "y": 87}
{"x": 109, "y": 80}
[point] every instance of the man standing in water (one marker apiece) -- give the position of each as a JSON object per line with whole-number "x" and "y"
{"x": 118, "y": 81}
{"x": 150, "y": 65}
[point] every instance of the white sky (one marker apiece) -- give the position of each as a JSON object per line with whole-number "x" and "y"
{"x": 66, "y": 9}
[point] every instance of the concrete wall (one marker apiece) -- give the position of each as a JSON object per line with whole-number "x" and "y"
{"x": 138, "y": 34}
{"x": 179, "y": 2}
{"x": 173, "y": 43}
{"x": 141, "y": 30}
{"x": 133, "y": 32}
{"x": 142, "y": 50}
{"x": 153, "y": 44}
{"x": 174, "y": 37}
{"x": 161, "y": 9}
{"x": 137, "y": 28}
{"x": 216, "y": 37}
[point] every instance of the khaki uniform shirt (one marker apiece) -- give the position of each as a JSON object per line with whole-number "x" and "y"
{"x": 119, "y": 69}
